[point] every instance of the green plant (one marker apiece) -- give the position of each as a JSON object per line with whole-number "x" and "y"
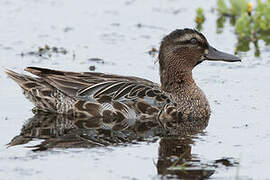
{"x": 262, "y": 16}
{"x": 200, "y": 18}
{"x": 238, "y": 7}
{"x": 251, "y": 23}
{"x": 222, "y": 8}
{"x": 243, "y": 26}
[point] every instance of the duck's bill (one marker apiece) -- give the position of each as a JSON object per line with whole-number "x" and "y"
{"x": 215, "y": 55}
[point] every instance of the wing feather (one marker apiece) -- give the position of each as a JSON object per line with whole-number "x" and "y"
{"x": 99, "y": 87}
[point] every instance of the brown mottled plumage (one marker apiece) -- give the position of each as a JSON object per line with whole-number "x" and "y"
{"x": 115, "y": 99}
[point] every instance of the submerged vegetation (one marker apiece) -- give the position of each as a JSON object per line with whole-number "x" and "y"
{"x": 250, "y": 22}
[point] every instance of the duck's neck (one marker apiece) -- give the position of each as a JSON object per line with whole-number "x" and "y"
{"x": 187, "y": 96}
{"x": 173, "y": 79}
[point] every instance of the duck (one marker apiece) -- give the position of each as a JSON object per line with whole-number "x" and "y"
{"x": 113, "y": 99}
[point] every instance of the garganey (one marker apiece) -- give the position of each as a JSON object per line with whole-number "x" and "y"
{"x": 115, "y": 99}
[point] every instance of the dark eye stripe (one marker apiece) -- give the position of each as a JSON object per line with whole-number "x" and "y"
{"x": 187, "y": 42}
{"x": 182, "y": 42}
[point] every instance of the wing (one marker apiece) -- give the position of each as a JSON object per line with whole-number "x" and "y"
{"x": 116, "y": 100}
{"x": 101, "y": 87}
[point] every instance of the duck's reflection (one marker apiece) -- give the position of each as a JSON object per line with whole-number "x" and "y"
{"x": 175, "y": 158}
{"x": 60, "y": 131}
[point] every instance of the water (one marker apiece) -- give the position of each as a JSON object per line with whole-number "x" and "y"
{"x": 121, "y": 33}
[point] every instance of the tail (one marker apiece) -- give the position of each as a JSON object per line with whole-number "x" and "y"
{"x": 38, "y": 91}
{"x": 18, "y": 78}
{"x": 35, "y": 89}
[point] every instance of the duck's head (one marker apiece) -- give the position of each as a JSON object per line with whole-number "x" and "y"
{"x": 182, "y": 50}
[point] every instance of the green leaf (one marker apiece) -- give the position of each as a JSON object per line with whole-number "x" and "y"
{"x": 238, "y": 7}
{"x": 222, "y": 7}
{"x": 243, "y": 26}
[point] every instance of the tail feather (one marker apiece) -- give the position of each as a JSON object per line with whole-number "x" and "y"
{"x": 39, "y": 92}
{"x": 42, "y": 71}
{"x": 18, "y": 78}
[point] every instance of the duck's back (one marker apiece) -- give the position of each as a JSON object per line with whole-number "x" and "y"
{"x": 92, "y": 95}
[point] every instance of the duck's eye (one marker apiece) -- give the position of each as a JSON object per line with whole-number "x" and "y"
{"x": 193, "y": 41}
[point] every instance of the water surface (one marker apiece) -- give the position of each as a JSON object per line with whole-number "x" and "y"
{"x": 234, "y": 144}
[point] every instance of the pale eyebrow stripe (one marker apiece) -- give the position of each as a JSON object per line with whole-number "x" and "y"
{"x": 188, "y": 37}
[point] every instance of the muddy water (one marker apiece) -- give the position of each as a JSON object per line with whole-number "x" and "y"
{"x": 234, "y": 145}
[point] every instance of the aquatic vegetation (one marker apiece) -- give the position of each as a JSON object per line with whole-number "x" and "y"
{"x": 237, "y": 7}
{"x": 249, "y": 26}
{"x": 243, "y": 26}
{"x": 250, "y": 22}
{"x": 261, "y": 17}
{"x": 179, "y": 164}
{"x": 200, "y": 18}
{"x": 49, "y": 50}
{"x": 222, "y": 7}
{"x": 46, "y": 52}
{"x": 181, "y": 167}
